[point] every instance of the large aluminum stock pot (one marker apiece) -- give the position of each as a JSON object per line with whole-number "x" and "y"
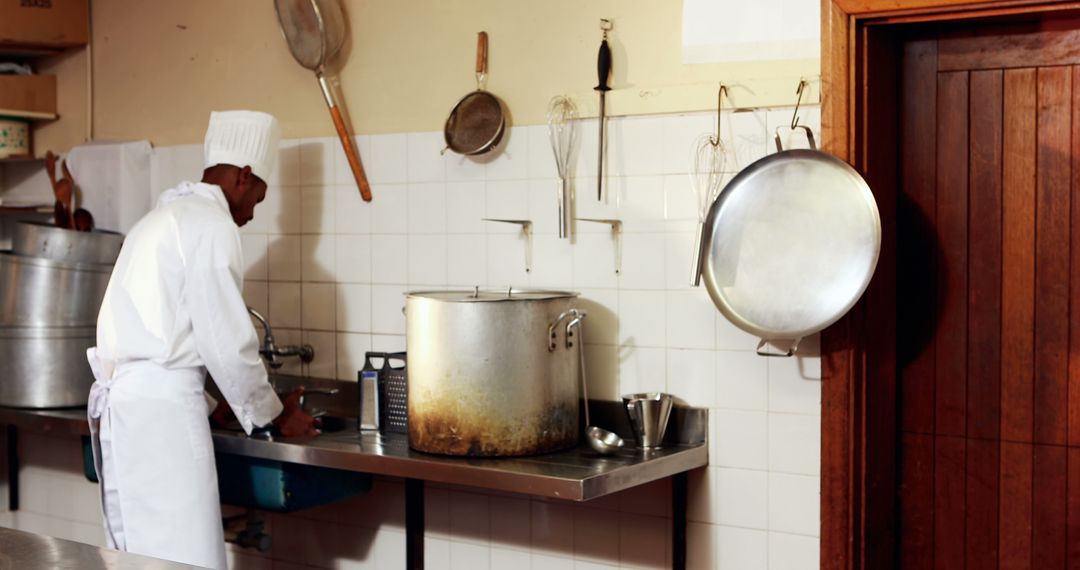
{"x": 493, "y": 373}
{"x": 38, "y": 239}
{"x": 37, "y": 292}
{"x": 45, "y": 367}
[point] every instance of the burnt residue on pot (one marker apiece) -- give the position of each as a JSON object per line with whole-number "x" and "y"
{"x": 437, "y": 429}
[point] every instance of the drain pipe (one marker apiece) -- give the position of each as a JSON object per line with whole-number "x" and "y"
{"x": 246, "y": 530}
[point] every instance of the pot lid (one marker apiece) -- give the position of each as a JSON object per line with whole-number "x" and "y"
{"x": 478, "y": 295}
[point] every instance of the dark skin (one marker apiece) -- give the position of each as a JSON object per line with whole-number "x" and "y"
{"x": 243, "y": 190}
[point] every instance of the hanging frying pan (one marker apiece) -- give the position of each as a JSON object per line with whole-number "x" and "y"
{"x": 477, "y": 122}
{"x": 790, "y": 245}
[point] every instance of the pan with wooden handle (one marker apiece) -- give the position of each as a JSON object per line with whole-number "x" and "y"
{"x": 315, "y": 30}
{"x": 476, "y": 124}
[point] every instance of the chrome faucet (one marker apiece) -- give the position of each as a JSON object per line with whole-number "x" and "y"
{"x": 271, "y": 352}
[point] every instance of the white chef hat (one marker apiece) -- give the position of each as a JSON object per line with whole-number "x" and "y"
{"x": 243, "y": 138}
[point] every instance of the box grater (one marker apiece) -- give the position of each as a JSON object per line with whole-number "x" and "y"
{"x": 368, "y": 378}
{"x": 393, "y": 394}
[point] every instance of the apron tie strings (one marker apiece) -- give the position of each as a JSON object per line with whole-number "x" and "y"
{"x": 99, "y": 391}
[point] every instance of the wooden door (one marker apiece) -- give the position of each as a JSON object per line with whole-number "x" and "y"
{"x": 988, "y": 299}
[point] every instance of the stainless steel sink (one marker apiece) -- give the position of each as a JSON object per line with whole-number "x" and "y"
{"x": 333, "y": 424}
{"x": 324, "y": 423}
{"x": 334, "y": 402}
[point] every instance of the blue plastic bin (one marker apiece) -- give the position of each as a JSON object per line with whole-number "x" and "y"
{"x": 270, "y": 485}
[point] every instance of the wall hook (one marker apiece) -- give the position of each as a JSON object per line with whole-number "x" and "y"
{"x": 803, "y": 84}
{"x": 715, "y": 140}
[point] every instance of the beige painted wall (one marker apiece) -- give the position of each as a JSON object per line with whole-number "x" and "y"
{"x": 161, "y": 66}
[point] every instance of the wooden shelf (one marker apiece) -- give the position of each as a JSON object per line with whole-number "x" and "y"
{"x": 4, "y": 210}
{"x": 18, "y": 158}
{"x": 29, "y": 115}
{"x": 19, "y": 52}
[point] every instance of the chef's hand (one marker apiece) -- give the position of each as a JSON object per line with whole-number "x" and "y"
{"x": 294, "y": 421}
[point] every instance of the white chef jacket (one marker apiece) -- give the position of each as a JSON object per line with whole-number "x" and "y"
{"x": 173, "y": 311}
{"x": 175, "y": 299}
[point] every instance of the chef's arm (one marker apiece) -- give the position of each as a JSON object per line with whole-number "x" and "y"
{"x": 224, "y": 337}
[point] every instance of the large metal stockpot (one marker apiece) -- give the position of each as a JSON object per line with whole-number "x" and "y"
{"x": 45, "y": 367}
{"x": 39, "y": 239}
{"x": 492, "y": 373}
{"x": 37, "y": 292}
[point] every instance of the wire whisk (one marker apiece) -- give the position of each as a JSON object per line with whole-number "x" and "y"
{"x": 562, "y": 130}
{"x": 707, "y": 171}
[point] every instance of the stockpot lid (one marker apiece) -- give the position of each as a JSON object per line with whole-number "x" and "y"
{"x": 478, "y": 295}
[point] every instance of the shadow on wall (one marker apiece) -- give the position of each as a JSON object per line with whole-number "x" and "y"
{"x": 918, "y": 250}
{"x": 601, "y": 364}
{"x": 287, "y": 253}
{"x": 808, "y": 358}
{"x": 318, "y": 290}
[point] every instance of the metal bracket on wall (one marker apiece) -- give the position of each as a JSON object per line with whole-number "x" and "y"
{"x": 616, "y": 235}
{"x": 526, "y": 232}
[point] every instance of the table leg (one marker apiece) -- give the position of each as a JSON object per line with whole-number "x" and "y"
{"x": 678, "y": 520}
{"x": 13, "y": 467}
{"x": 414, "y": 524}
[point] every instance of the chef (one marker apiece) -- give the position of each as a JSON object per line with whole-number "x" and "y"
{"x": 173, "y": 311}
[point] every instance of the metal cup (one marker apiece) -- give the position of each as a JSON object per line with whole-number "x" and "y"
{"x": 649, "y": 414}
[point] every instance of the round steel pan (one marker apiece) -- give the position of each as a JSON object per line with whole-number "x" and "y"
{"x": 790, "y": 244}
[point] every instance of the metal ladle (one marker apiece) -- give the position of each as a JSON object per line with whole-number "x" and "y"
{"x": 600, "y": 440}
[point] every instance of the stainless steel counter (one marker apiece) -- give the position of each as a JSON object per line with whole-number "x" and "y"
{"x": 61, "y": 422}
{"x": 20, "y": 549}
{"x": 577, "y": 474}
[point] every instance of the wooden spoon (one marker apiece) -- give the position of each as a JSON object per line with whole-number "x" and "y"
{"x": 60, "y": 214}
{"x": 63, "y": 199}
{"x": 66, "y": 193}
{"x": 50, "y": 167}
{"x": 84, "y": 222}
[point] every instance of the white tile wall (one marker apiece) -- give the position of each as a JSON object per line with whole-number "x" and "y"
{"x": 331, "y": 270}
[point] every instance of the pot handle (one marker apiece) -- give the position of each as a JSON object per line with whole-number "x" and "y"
{"x": 575, "y": 322}
{"x": 809, "y": 137}
{"x": 553, "y": 327}
{"x": 762, "y": 348}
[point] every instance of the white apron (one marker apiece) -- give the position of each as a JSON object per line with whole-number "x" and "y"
{"x": 155, "y": 462}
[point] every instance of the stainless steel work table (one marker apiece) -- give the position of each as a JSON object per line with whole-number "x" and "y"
{"x": 20, "y": 549}
{"x": 576, "y": 475}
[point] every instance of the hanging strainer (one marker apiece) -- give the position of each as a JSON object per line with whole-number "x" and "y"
{"x": 315, "y": 30}
{"x": 476, "y": 123}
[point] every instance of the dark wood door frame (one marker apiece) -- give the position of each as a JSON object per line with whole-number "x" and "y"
{"x": 859, "y": 397}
